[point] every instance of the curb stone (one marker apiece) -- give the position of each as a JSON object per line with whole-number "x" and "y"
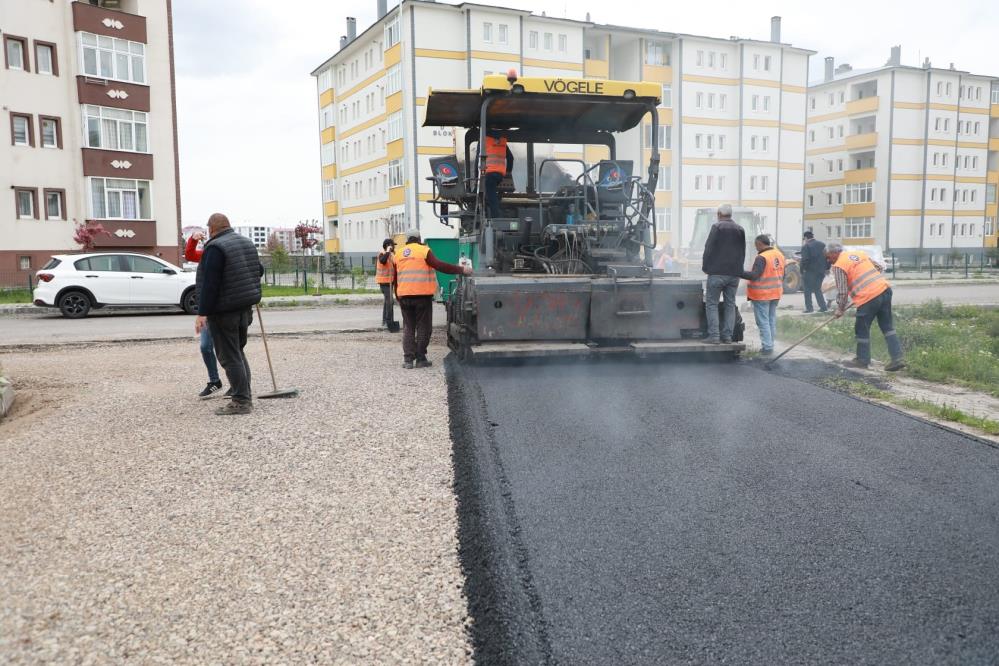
{"x": 6, "y": 396}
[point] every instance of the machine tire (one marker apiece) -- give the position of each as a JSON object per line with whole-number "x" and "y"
{"x": 792, "y": 279}
{"x": 74, "y": 305}
{"x": 189, "y": 301}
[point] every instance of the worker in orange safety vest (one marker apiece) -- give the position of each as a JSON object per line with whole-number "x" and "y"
{"x": 415, "y": 286}
{"x": 766, "y": 286}
{"x": 861, "y": 280}
{"x": 384, "y": 277}
{"x": 499, "y": 163}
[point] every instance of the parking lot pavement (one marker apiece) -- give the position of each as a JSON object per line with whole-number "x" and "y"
{"x": 137, "y": 526}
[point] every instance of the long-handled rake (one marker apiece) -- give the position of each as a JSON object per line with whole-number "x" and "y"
{"x": 770, "y": 364}
{"x": 276, "y": 393}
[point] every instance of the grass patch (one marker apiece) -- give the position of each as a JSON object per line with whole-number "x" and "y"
{"x": 15, "y": 296}
{"x": 942, "y": 412}
{"x": 280, "y": 290}
{"x": 958, "y": 345}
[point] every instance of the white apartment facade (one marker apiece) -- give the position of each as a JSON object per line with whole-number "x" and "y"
{"x": 903, "y": 157}
{"x": 88, "y": 95}
{"x": 732, "y": 117}
{"x": 257, "y": 234}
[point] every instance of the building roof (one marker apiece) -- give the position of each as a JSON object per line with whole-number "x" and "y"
{"x": 840, "y": 77}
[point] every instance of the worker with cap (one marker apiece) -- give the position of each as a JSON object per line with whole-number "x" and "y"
{"x": 766, "y": 286}
{"x": 415, "y": 286}
{"x": 499, "y": 162}
{"x": 861, "y": 279}
{"x": 384, "y": 277}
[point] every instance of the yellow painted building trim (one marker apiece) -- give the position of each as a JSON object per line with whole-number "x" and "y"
{"x": 907, "y": 176}
{"x": 368, "y": 124}
{"x": 663, "y": 198}
{"x": 715, "y": 80}
{"x": 393, "y": 102}
{"x": 787, "y": 87}
{"x": 981, "y": 145}
{"x": 713, "y": 122}
{"x": 421, "y": 101}
{"x": 859, "y": 210}
{"x": 332, "y": 245}
{"x": 936, "y": 106}
{"x": 330, "y": 208}
{"x": 991, "y": 210}
{"x": 753, "y": 122}
{"x": 327, "y": 135}
{"x": 439, "y": 53}
{"x": 710, "y": 161}
{"x": 917, "y": 106}
{"x": 860, "y": 175}
{"x": 393, "y": 55}
{"x": 793, "y": 166}
{"x": 394, "y": 150}
{"x": 397, "y": 196}
{"x": 792, "y": 127}
{"x": 381, "y": 161}
{"x": 326, "y": 98}
{"x": 994, "y": 111}
{"x": 972, "y": 179}
{"x": 363, "y": 84}
{"x": 765, "y": 83}
{"x": 865, "y": 105}
{"x": 760, "y": 203}
{"x": 826, "y": 116}
{"x": 825, "y": 183}
{"x": 897, "y": 141}
{"x": 496, "y": 55}
{"x": 665, "y": 116}
{"x": 599, "y": 69}
{"x": 994, "y": 143}
{"x": 658, "y": 73}
{"x": 859, "y": 240}
{"x": 790, "y": 204}
{"x": 435, "y": 150}
{"x": 823, "y": 216}
{"x": 760, "y": 163}
{"x": 828, "y": 149}
{"x": 595, "y": 153}
{"x": 552, "y": 64}
{"x": 974, "y": 110}
{"x": 329, "y": 172}
{"x": 857, "y": 141}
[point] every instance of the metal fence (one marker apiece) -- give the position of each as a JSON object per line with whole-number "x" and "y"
{"x": 347, "y": 270}
{"x": 10, "y": 280}
{"x": 944, "y": 264}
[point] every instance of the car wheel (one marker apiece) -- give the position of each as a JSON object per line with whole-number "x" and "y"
{"x": 74, "y": 305}
{"x": 189, "y": 301}
{"x": 792, "y": 281}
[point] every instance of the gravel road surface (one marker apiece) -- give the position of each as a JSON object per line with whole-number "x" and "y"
{"x": 136, "y": 526}
{"x": 616, "y": 513}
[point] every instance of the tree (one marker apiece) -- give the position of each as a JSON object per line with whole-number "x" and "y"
{"x": 304, "y": 232}
{"x": 273, "y": 243}
{"x": 280, "y": 263}
{"x": 85, "y": 234}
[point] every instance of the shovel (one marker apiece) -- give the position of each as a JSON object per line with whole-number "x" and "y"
{"x": 770, "y": 364}
{"x": 276, "y": 393}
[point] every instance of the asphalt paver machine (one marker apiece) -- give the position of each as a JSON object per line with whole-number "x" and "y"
{"x": 566, "y": 268}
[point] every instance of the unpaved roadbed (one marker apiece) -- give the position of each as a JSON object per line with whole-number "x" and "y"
{"x": 137, "y": 525}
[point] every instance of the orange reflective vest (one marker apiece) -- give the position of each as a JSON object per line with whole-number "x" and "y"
{"x": 496, "y": 155}
{"x": 385, "y": 273}
{"x": 415, "y": 277}
{"x": 863, "y": 278}
{"x": 770, "y": 285}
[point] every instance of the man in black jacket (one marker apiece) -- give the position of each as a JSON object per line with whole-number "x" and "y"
{"x": 813, "y": 269}
{"x": 724, "y": 256}
{"x": 228, "y": 288}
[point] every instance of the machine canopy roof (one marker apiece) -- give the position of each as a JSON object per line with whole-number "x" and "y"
{"x": 543, "y": 104}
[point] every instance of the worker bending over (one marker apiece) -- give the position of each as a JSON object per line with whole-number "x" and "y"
{"x": 860, "y": 279}
{"x": 499, "y": 162}
{"x": 415, "y": 286}
{"x": 766, "y": 286}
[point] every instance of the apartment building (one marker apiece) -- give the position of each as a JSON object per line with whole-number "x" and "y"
{"x": 732, "y": 115}
{"x": 903, "y": 157}
{"x": 256, "y": 234}
{"x": 88, "y": 95}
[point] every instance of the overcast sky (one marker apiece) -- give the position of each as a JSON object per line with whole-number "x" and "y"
{"x": 247, "y": 115}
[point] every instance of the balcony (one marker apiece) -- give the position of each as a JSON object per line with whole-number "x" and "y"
{"x": 865, "y": 105}
{"x": 859, "y": 210}
{"x": 994, "y": 143}
{"x": 862, "y": 141}
{"x": 109, "y": 20}
{"x": 860, "y": 175}
{"x": 598, "y": 69}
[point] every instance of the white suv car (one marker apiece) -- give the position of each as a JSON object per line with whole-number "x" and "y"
{"x": 75, "y": 283}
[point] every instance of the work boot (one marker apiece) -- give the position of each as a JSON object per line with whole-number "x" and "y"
{"x": 407, "y": 365}
{"x": 211, "y": 388}
{"x": 856, "y": 363}
{"x": 712, "y": 341}
{"x": 895, "y": 365}
{"x": 766, "y": 352}
{"x": 423, "y": 363}
{"x": 235, "y": 407}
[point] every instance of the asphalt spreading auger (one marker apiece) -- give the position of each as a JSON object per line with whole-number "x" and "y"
{"x": 566, "y": 268}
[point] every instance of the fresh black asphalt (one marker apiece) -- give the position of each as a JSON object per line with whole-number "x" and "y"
{"x": 621, "y": 513}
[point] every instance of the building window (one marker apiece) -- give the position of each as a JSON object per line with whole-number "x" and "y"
{"x": 656, "y": 53}
{"x": 766, "y": 64}
{"x": 487, "y": 32}
{"x": 662, "y": 138}
{"x": 663, "y": 182}
{"x": 755, "y": 101}
{"x": 753, "y": 142}
{"x": 16, "y": 53}
{"x": 45, "y": 58}
{"x": 811, "y": 168}
{"x": 756, "y": 61}
{"x": 722, "y": 60}
{"x": 395, "y": 173}
{"x": 548, "y": 41}
{"x": 326, "y": 115}
{"x": 24, "y": 263}
{"x": 503, "y": 33}
{"x": 328, "y": 152}
{"x": 811, "y": 200}
{"x": 721, "y": 143}
{"x": 699, "y": 100}
{"x": 325, "y": 80}
{"x": 110, "y": 58}
{"x": 764, "y": 180}
{"x": 722, "y": 101}
{"x": 811, "y": 136}
{"x": 563, "y": 43}
{"x": 120, "y": 199}
{"x": 667, "y": 97}
{"x": 766, "y": 102}
{"x": 858, "y": 227}
{"x": 532, "y": 39}
{"x": 711, "y": 100}
{"x": 55, "y": 204}
{"x": 697, "y": 182}
{"x": 393, "y": 80}
{"x": 811, "y": 102}
{"x": 700, "y": 58}
{"x": 116, "y": 129}
{"x": 50, "y": 131}
{"x": 26, "y": 202}
{"x": 329, "y": 189}
{"x": 22, "y": 132}
{"x": 859, "y": 193}
{"x": 392, "y": 33}
{"x": 395, "y": 126}
{"x": 710, "y": 141}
